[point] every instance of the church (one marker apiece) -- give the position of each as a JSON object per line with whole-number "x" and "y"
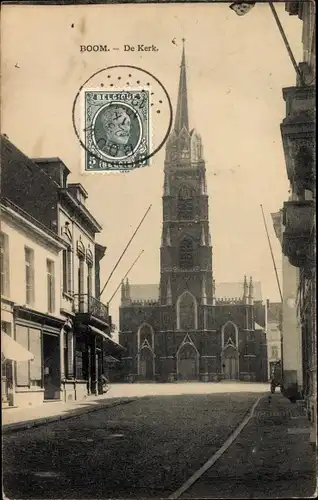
{"x": 188, "y": 327}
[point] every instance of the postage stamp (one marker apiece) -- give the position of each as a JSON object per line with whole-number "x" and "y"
{"x": 116, "y": 126}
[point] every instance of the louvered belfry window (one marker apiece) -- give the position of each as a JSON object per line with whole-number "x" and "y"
{"x": 185, "y": 203}
{"x": 186, "y": 254}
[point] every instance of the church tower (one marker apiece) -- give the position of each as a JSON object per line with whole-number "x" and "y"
{"x": 186, "y": 252}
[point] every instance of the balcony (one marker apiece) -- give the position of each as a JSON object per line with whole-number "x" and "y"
{"x": 298, "y": 133}
{"x": 89, "y": 310}
{"x": 298, "y": 219}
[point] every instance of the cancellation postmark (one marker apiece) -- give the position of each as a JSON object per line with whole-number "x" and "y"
{"x": 122, "y": 116}
{"x": 117, "y": 129}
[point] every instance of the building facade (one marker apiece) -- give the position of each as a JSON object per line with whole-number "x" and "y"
{"x": 274, "y": 335}
{"x": 299, "y": 234}
{"x": 291, "y": 328}
{"x": 186, "y": 327}
{"x": 30, "y": 306}
{"x": 40, "y": 189}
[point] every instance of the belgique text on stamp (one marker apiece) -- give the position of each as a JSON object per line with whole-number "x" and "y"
{"x": 116, "y": 129}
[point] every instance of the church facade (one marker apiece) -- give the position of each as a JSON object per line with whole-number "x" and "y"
{"x": 187, "y": 327}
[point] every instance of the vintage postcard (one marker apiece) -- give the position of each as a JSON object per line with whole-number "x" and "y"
{"x": 158, "y": 274}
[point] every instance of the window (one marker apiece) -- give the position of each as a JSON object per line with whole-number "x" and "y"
{"x": 50, "y": 286}
{"x": 186, "y": 256}
{"x": 29, "y": 372}
{"x": 67, "y": 271}
{"x": 187, "y": 312}
{"x": 89, "y": 279}
{"x": 5, "y": 288}
{"x": 79, "y": 365}
{"x": 185, "y": 203}
{"x": 29, "y": 275}
{"x": 145, "y": 333}
{"x": 229, "y": 332}
{"x": 80, "y": 276}
{"x": 81, "y": 284}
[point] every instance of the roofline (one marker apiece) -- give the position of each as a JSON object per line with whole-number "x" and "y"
{"x": 32, "y": 223}
{"x": 54, "y": 159}
{"x": 98, "y": 228}
{"x": 78, "y": 185}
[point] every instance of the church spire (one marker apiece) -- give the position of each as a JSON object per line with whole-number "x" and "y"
{"x": 182, "y": 105}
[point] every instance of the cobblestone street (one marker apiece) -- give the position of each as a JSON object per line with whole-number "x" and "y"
{"x": 151, "y": 445}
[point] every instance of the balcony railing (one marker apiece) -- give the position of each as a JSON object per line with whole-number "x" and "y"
{"x": 298, "y": 219}
{"x": 298, "y": 133}
{"x": 84, "y": 303}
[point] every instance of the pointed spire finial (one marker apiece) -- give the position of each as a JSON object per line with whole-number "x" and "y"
{"x": 182, "y": 105}
{"x": 127, "y": 289}
{"x": 251, "y": 290}
{"x": 123, "y": 292}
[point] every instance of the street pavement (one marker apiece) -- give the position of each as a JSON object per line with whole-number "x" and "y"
{"x": 271, "y": 457}
{"x": 154, "y": 442}
{"x": 13, "y": 418}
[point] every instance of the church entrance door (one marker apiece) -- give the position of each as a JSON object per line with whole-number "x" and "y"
{"x": 146, "y": 364}
{"x": 230, "y": 370}
{"x": 230, "y": 364}
{"x": 187, "y": 363}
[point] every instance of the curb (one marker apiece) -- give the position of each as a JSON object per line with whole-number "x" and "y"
{"x": 30, "y": 424}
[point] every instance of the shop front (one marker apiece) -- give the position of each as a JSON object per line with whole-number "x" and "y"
{"x": 37, "y": 379}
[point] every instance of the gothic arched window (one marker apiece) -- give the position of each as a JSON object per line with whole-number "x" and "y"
{"x": 185, "y": 203}
{"x": 186, "y": 254}
{"x": 187, "y": 312}
{"x": 229, "y": 332}
{"x": 145, "y": 333}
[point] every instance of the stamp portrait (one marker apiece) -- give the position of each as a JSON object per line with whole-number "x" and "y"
{"x": 117, "y": 129}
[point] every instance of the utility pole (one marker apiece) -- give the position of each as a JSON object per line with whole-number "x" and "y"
{"x": 124, "y": 251}
{"x": 142, "y": 251}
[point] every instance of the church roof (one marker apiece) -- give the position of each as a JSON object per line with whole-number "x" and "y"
{"x": 144, "y": 292}
{"x": 235, "y": 290}
{"x": 223, "y": 290}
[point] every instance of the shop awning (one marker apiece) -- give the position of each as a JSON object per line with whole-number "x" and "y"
{"x": 14, "y": 351}
{"x": 106, "y": 337}
{"x": 111, "y": 359}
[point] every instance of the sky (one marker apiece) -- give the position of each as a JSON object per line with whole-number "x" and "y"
{"x": 236, "y": 70}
